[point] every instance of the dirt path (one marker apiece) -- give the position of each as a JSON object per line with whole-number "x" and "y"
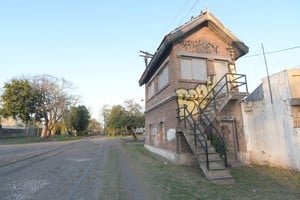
{"x": 122, "y": 178}
{"x": 113, "y": 168}
{"x": 95, "y": 168}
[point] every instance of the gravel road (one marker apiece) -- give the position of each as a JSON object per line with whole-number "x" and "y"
{"x": 91, "y": 168}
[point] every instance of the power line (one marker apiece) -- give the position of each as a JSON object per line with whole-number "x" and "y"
{"x": 179, "y": 12}
{"x": 189, "y": 11}
{"x": 271, "y": 52}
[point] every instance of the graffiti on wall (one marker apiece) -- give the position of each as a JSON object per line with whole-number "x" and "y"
{"x": 199, "y": 46}
{"x": 193, "y": 97}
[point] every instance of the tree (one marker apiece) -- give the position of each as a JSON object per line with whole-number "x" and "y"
{"x": 127, "y": 118}
{"x": 134, "y": 117}
{"x": 115, "y": 120}
{"x": 19, "y": 100}
{"x": 95, "y": 126}
{"x": 55, "y": 100}
{"x": 106, "y": 109}
{"x": 78, "y": 119}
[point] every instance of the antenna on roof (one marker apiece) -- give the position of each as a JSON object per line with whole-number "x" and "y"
{"x": 206, "y": 10}
{"x": 146, "y": 55}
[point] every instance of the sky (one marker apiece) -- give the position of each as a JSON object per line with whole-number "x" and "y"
{"x": 95, "y": 44}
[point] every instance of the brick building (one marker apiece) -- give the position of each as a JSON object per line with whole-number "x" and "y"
{"x": 193, "y": 94}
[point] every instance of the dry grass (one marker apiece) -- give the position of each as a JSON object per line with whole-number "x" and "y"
{"x": 183, "y": 182}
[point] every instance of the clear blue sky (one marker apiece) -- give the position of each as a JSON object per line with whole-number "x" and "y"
{"x": 95, "y": 44}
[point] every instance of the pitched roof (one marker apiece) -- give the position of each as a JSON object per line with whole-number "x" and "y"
{"x": 204, "y": 19}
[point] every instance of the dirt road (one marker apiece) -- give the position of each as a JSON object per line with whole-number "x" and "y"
{"x": 103, "y": 168}
{"x": 93, "y": 168}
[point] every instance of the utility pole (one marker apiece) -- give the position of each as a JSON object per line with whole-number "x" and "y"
{"x": 146, "y": 56}
{"x": 263, "y": 50}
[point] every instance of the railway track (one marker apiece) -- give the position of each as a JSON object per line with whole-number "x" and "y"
{"x": 21, "y": 163}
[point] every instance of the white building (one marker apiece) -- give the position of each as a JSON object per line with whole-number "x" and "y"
{"x": 271, "y": 116}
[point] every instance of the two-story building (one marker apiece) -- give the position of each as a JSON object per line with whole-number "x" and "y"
{"x": 193, "y": 94}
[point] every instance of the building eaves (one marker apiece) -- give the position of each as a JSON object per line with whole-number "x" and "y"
{"x": 180, "y": 32}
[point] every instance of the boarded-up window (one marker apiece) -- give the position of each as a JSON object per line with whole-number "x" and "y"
{"x": 163, "y": 77}
{"x": 221, "y": 69}
{"x": 150, "y": 89}
{"x": 296, "y": 116}
{"x": 210, "y": 68}
{"x": 193, "y": 69}
{"x": 295, "y": 86}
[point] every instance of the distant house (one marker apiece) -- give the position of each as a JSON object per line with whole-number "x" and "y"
{"x": 193, "y": 96}
{"x": 10, "y": 122}
{"x": 12, "y": 127}
{"x": 271, "y": 117}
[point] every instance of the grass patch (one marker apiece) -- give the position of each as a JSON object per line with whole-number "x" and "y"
{"x": 184, "y": 182}
{"x": 112, "y": 169}
{"x": 19, "y": 140}
{"x": 64, "y": 138}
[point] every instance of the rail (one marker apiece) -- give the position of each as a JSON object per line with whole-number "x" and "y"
{"x": 227, "y": 83}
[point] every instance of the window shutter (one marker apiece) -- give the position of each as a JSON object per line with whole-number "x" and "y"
{"x": 186, "y": 68}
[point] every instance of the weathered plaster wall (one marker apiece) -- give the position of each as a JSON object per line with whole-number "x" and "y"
{"x": 271, "y": 137}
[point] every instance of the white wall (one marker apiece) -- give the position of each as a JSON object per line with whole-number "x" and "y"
{"x": 270, "y": 134}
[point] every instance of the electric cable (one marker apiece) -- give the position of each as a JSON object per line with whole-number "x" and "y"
{"x": 271, "y": 52}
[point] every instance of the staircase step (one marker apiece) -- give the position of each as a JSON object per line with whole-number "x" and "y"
{"x": 219, "y": 165}
{"x": 219, "y": 176}
{"x": 215, "y": 173}
{"x": 211, "y": 156}
{"x": 216, "y": 168}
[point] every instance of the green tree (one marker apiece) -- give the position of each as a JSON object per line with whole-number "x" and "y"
{"x": 115, "y": 120}
{"x": 105, "y": 114}
{"x": 95, "y": 126}
{"x": 121, "y": 119}
{"x": 78, "y": 119}
{"x": 135, "y": 118}
{"x": 19, "y": 100}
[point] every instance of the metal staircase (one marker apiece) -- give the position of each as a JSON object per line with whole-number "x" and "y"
{"x": 203, "y": 137}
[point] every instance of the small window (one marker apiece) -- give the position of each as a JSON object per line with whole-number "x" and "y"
{"x": 150, "y": 89}
{"x": 193, "y": 69}
{"x": 163, "y": 77}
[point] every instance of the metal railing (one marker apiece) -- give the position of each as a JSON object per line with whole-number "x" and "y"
{"x": 189, "y": 120}
{"x": 227, "y": 83}
{"x": 205, "y": 128}
{"x": 214, "y": 136}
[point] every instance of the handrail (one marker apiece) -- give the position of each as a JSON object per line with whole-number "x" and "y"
{"x": 189, "y": 118}
{"x": 235, "y": 83}
{"x": 229, "y": 82}
{"x": 214, "y": 133}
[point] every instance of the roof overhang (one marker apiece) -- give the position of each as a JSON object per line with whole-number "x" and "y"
{"x": 204, "y": 19}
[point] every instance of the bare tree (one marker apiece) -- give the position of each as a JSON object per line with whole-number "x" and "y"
{"x": 55, "y": 99}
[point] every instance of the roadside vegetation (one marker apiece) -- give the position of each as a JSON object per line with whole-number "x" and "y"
{"x": 36, "y": 139}
{"x": 185, "y": 182}
{"x": 123, "y": 120}
{"x": 50, "y": 104}
{"x": 45, "y": 101}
